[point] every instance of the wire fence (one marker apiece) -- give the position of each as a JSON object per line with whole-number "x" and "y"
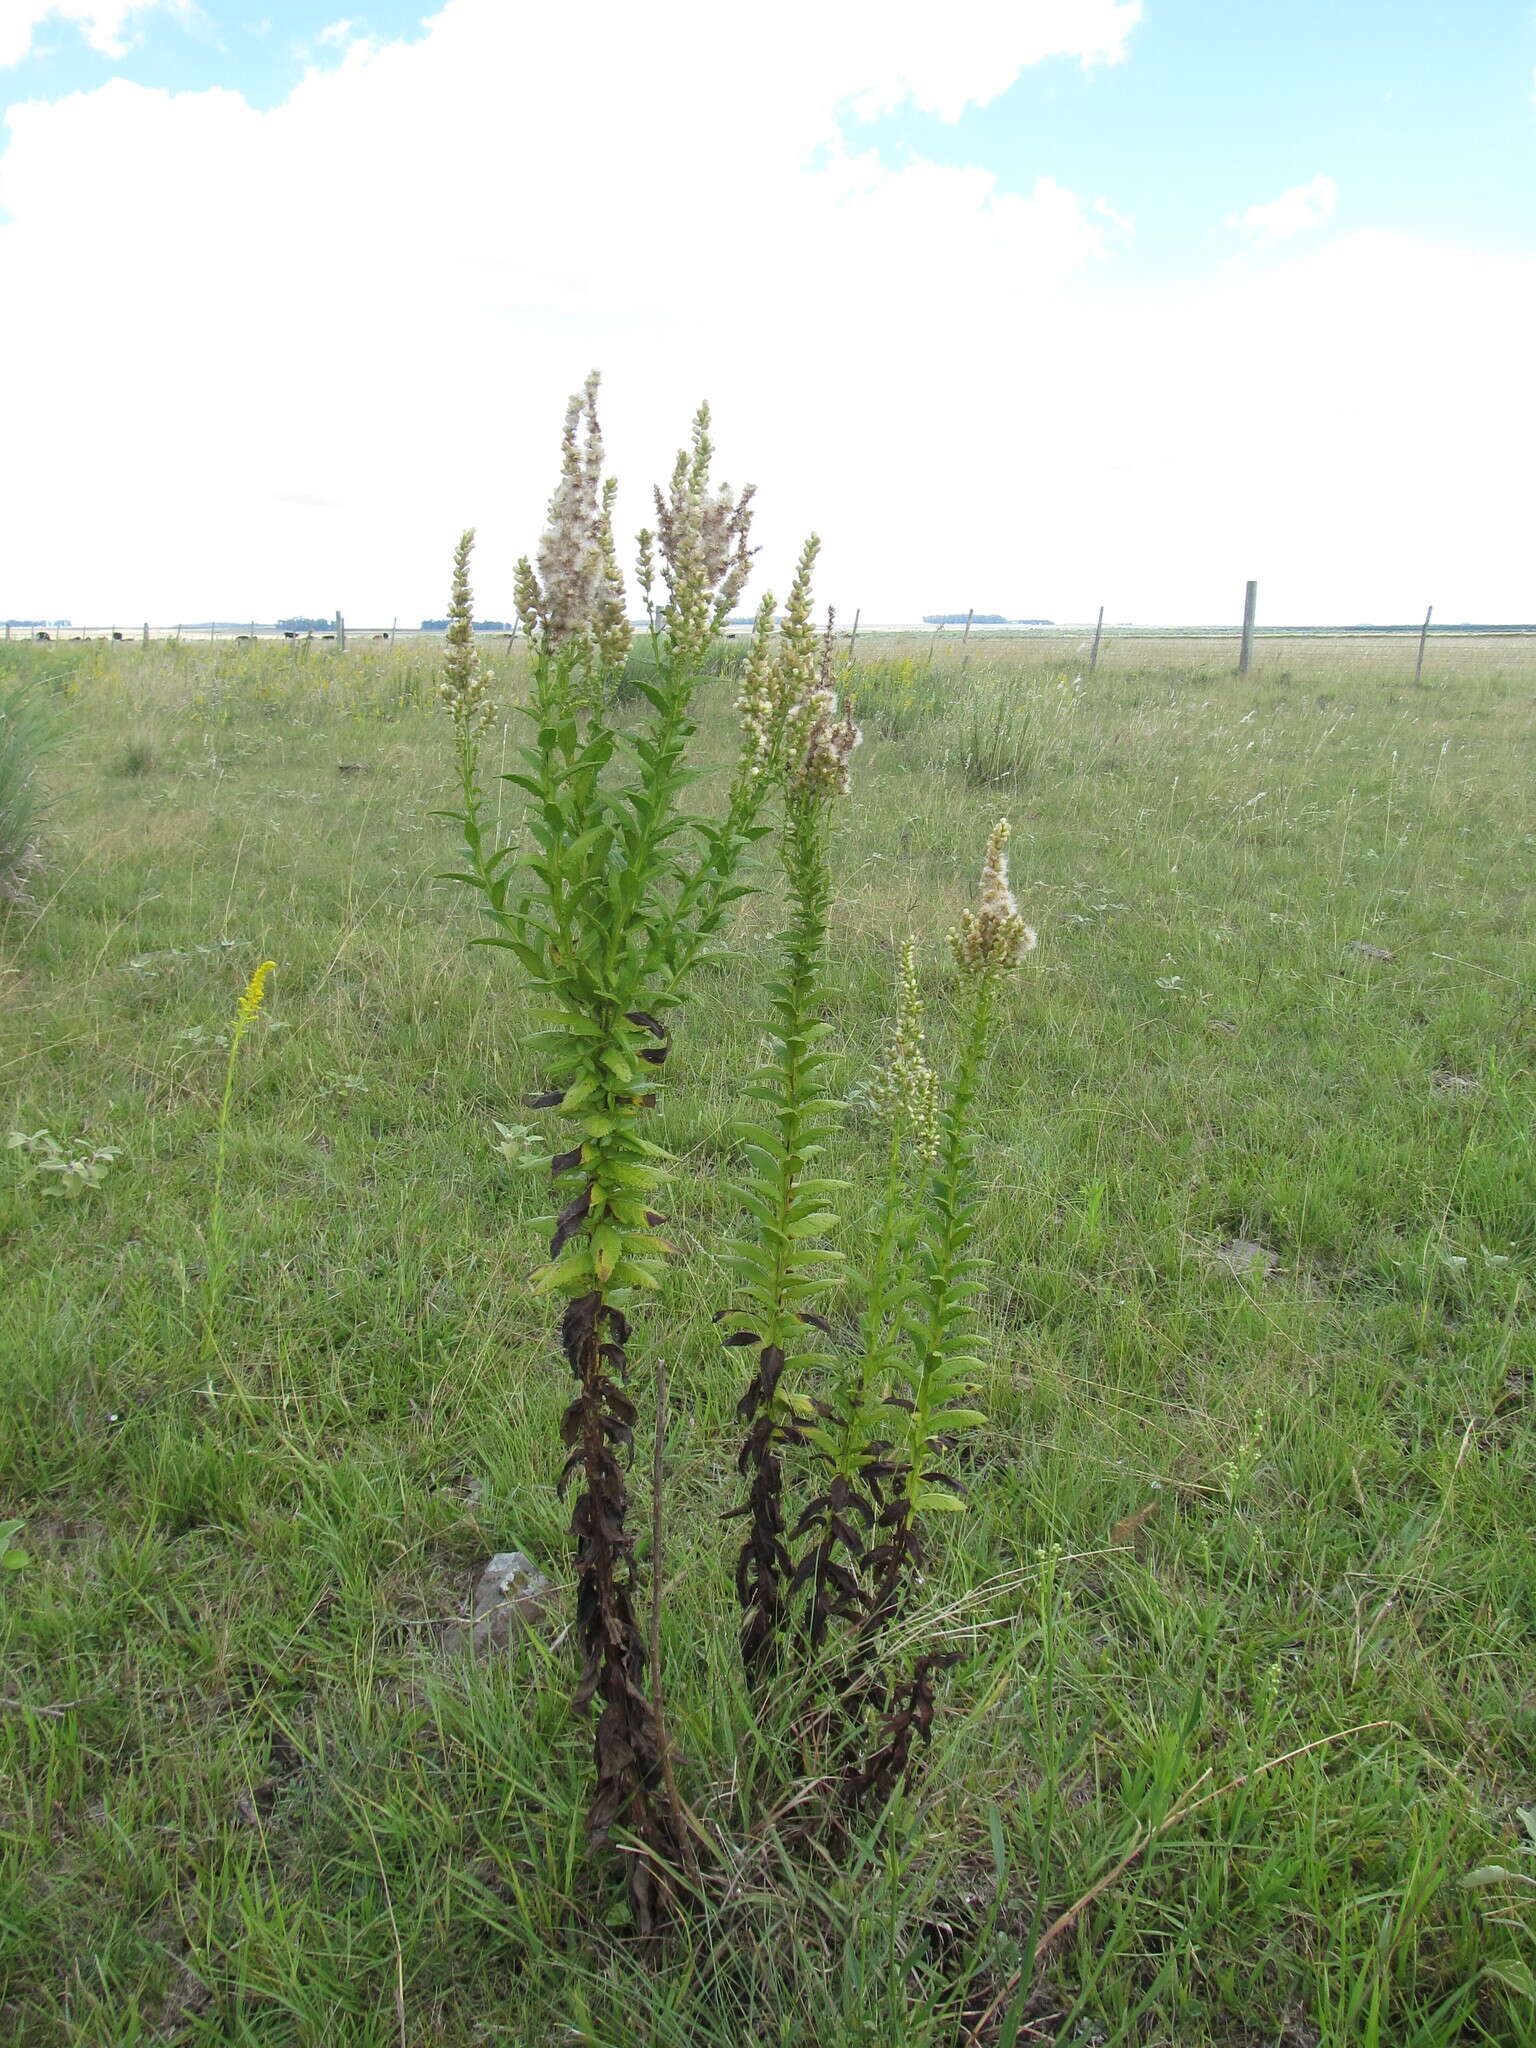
{"x": 950, "y": 632}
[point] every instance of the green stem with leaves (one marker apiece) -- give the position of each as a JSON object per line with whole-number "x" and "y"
{"x": 781, "y": 1267}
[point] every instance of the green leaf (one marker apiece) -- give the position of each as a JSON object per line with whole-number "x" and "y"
{"x": 1513, "y": 1974}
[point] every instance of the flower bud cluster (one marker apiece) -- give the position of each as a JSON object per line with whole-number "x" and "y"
{"x": 789, "y": 703}
{"x": 905, "y": 1089}
{"x": 994, "y": 935}
{"x": 463, "y": 686}
{"x": 760, "y": 703}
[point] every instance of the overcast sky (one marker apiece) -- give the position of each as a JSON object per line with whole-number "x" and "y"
{"x": 1023, "y": 304}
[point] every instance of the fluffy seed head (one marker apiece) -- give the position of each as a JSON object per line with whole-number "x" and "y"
{"x": 823, "y": 737}
{"x": 701, "y": 533}
{"x": 576, "y": 593}
{"x": 994, "y": 935}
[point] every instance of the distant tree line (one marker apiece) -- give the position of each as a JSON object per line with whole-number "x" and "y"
{"x": 481, "y": 626}
{"x": 298, "y": 625}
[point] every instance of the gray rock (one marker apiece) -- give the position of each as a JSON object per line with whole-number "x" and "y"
{"x": 1369, "y": 952}
{"x": 1241, "y": 1256}
{"x": 511, "y": 1594}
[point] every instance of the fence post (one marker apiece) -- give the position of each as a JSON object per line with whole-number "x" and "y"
{"x": 1250, "y": 607}
{"x": 1418, "y": 666}
{"x": 341, "y": 634}
{"x": 966, "y": 636}
{"x": 1093, "y": 659}
{"x": 392, "y": 625}
{"x": 854, "y": 635}
{"x": 7, "y": 629}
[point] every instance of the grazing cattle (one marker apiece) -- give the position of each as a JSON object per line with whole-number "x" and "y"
{"x": 290, "y": 636}
{"x": 244, "y": 639}
{"x": 381, "y": 636}
{"x": 117, "y": 636}
{"x": 42, "y": 636}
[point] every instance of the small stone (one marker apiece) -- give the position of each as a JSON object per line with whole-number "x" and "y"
{"x": 1241, "y": 1256}
{"x": 1368, "y": 952}
{"x": 511, "y": 1594}
{"x": 1456, "y": 1084}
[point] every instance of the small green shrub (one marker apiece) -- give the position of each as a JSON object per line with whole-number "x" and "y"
{"x": 137, "y": 758}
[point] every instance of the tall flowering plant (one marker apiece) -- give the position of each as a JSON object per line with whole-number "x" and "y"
{"x": 607, "y": 904}
{"x": 867, "y": 1428}
{"x": 608, "y": 898}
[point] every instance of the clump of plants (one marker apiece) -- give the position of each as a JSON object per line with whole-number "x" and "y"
{"x": 615, "y": 890}
{"x": 23, "y": 738}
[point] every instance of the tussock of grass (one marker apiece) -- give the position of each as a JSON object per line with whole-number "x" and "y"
{"x": 1217, "y": 1516}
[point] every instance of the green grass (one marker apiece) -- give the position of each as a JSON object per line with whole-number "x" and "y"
{"x": 1218, "y": 1516}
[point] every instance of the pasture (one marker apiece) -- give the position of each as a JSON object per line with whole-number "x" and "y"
{"x": 1246, "y": 1595}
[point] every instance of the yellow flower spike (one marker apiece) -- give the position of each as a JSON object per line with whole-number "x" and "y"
{"x": 255, "y": 989}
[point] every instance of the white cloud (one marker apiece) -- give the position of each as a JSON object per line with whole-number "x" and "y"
{"x": 1293, "y": 213}
{"x": 105, "y": 24}
{"x": 337, "y": 31}
{"x": 277, "y": 360}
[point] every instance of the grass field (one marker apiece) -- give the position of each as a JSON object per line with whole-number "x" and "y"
{"x": 1247, "y": 1595}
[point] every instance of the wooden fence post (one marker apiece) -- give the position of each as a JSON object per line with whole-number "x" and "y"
{"x": 341, "y": 634}
{"x": 1418, "y": 666}
{"x": 1093, "y": 659}
{"x": 1250, "y": 607}
{"x": 854, "y": 635}
{"x": 965, "y": 638}
{"x": 146, "y": 633}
